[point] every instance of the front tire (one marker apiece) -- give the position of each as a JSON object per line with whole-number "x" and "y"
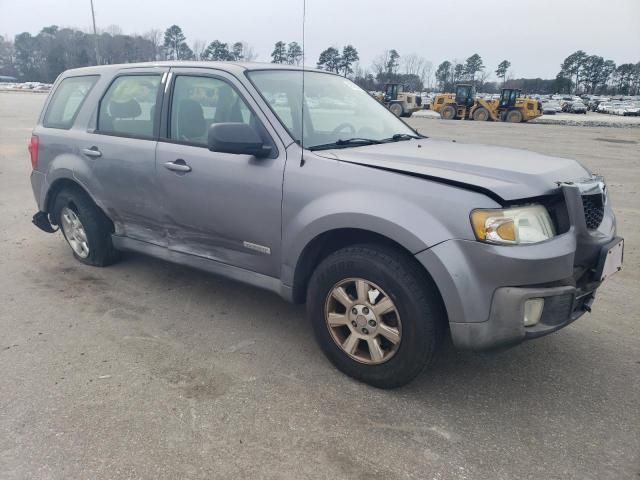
{"x": 396, "y": 109}
{"x": 514, "y": 116}
{"x": 481, "y": 114}
{"x": 376, "y": 314}
{"x": 85, "y": 227}
{"x": 448, "y": 112}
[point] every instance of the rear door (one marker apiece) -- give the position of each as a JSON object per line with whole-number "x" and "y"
{"x": 120, "y": 148}
{"x": 225, "y": 207}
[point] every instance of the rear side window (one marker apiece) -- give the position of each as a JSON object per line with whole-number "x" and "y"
{"x": 67, "y": 100}
{"x": 128, "y": 108}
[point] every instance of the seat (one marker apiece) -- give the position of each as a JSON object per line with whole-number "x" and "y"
{"x": 191, "y": 124}
{"x": 228, "y": 106}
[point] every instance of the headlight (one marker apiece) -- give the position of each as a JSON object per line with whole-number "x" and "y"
{"x": 530, "y": 224}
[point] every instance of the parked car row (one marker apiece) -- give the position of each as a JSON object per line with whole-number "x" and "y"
{"x": 25, "y": 86}
{"x": 625, "y": 106}
{"x": 620, "y": 108}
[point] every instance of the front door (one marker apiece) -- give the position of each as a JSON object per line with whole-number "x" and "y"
{"x": 224, "y": 207}
{"x": 121, "y": 152}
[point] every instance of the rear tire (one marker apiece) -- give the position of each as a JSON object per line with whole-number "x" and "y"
{"x": 481, "y": 114}
{"x": 92, "y": 228}
{"x": 391, "y": 276}
{"x": 448, "y": 112}
{"x": 513, "y": 116}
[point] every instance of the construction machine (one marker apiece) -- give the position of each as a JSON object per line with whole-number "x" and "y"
{"x": 513, "y": 107}
{"x": 400, "y": 102}
{"x": 463, "y": 105}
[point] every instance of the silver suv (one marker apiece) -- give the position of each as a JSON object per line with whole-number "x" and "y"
{"x": 302, "y": 183}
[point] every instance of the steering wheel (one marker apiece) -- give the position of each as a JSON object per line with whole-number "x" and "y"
{"x": 343, "y": 126}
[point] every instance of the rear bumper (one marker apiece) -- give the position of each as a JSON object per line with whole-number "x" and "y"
{"x": 38, "y": 185}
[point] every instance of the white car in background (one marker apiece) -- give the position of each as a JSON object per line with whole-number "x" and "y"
{"x": 619, "y": 108}
{"x": 604, "y": 107}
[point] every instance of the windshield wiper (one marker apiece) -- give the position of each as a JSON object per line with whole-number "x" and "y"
{"x": 349, "y": 142}
{"x": 401, "y": 136}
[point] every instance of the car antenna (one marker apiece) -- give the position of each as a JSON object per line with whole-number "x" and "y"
{"x": 304, "y": 14}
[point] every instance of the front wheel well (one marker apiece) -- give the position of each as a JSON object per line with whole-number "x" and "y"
{"x": 331, "y": 241}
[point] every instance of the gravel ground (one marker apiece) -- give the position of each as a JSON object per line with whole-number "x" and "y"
{"x": 151, "y": 370}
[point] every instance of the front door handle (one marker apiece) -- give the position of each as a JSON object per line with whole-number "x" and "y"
{"x": 178, "y": 166}
{"x": 92, "y": 152}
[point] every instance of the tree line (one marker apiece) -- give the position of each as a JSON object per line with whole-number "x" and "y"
{"x": 44, "y": 56}
{"x": 583, "y": 73}
{"x": 579, "y": 73}
{"x": 411, "y": 70}
{"x": 472, "y": 70}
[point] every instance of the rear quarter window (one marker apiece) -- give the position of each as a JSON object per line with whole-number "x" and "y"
{"x": 67, "y": 100}
{"x": 128, "y": 107}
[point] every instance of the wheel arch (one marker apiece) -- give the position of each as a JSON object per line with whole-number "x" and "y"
{"x": 65, "y": 183}
{"x": 328, "y": 242}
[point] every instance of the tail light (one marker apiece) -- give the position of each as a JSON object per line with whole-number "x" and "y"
{"x": 33, "y": 151}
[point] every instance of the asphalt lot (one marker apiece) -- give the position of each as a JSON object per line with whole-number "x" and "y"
{"x": 151, "y": 370}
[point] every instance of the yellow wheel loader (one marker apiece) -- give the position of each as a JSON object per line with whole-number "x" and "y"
{"x": 463, "y": 105}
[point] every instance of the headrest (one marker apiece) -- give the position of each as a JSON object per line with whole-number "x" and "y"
{"x": 129, "y": 109}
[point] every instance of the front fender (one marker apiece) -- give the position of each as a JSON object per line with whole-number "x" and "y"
{"x": 324, "y": 194}
{"x": 391, "y": 216}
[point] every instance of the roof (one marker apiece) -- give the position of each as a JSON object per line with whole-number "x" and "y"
{"x": 235, "y": 67}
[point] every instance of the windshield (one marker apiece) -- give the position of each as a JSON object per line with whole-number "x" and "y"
{"x": 335, "y": 109}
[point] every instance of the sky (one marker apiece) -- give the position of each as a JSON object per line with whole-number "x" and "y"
{"x": 534, "y": 35}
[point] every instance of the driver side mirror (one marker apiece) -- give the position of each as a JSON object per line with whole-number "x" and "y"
{"x": 237, "y": 138}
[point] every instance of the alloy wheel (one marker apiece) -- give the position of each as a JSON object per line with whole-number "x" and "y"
{"x": 74, "y": 232}
{"x": 363, "y": 321}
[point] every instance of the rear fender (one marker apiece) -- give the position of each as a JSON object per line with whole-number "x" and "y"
{"x": 71, "y": 166}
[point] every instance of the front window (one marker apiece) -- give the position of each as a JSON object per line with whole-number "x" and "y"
{"x": 335, "y": 110}
{"x": 199, "y": 102}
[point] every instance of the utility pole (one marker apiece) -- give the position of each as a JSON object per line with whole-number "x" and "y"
{"x": 95, "y": 33}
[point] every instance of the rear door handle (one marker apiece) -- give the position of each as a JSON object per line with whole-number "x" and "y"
{"x": 92, "y": 152}
{"x": 178, "y": 166}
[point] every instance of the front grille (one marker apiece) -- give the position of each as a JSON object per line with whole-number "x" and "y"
{"x": 593, "y": 210}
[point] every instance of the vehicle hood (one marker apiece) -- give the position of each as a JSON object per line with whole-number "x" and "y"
{"x": 507, "y": 173}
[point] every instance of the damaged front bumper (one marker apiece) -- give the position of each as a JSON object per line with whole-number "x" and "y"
{"x": 485, "y": 288}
